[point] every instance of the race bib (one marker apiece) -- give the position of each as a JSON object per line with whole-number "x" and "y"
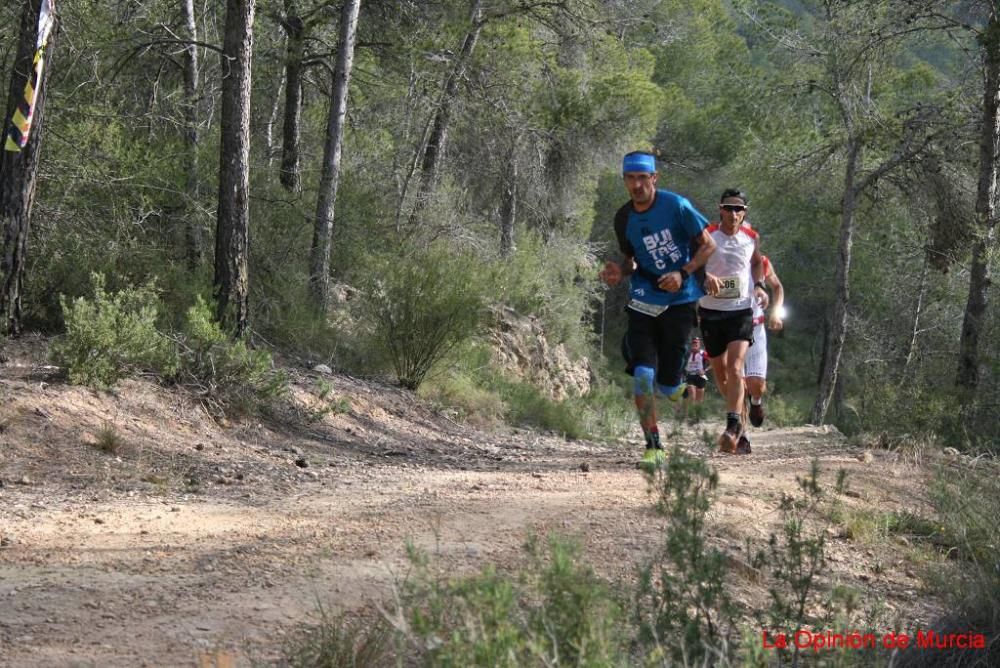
{"x": 649, "y": 309}
{"x": 731, "y": 287}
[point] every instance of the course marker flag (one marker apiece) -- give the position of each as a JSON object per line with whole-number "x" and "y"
{"x": 17, "y": 135}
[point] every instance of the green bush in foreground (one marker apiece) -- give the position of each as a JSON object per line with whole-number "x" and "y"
{"x": 554, "y": 612}
{"x": 968, "y": 506}
{"x": 682, "y": 608}
{"x": 341, "y": 642}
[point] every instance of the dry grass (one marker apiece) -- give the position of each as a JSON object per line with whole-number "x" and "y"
{"x": 108, "y": 439}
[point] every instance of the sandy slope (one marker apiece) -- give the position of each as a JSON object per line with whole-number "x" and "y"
{"x": 200, "y": 538}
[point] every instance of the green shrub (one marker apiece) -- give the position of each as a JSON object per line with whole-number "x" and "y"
{"x": 329, "y": 405}
{"x": 967, "y": 501}
{"x": 554, "y": 612}
{"x": 111, "y": 336}
{"x": 527, "y": 405}
{"x": 289, "y": 321}
{"x": 224, "y": 371}
{"x": 795, "y": 561}
{"x": 554, "y": 279}
{"x": 923, "y": 411}
{"x": 340, "y": 642}
{"x": 607, "y": 412}
{"x": 108, "y": 439}
{"x": 421, "y": 307}
{"x": 870, "y": 526}
{"x": 682, "y": 609}
{"x": 482, "y": 394}
{"x": 470, "y": 398}
{"x": 968, "y": 506}
{"x": 797, "y": 557}
{"x": 784, "y": 410}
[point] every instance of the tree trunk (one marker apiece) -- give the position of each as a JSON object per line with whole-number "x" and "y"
{"x": 508, "y": 206}
{"x": 822, "y": 350}
{"x": 560, "y": 196}
{"x": 319, "y": 260}
{"x": 980, "y": 279}
{"x": 838, "y": 315}
{"x": 192, "y": 229}
{"x": 295, "y": 50}
{"x": 404, "y": 187}
{"x": 232, "y": 239}
{"x": 271, "y": 120}
{"x": 19, "y": 167}
{"x": 911, "y": 349}
{"x": 438, "y": 139}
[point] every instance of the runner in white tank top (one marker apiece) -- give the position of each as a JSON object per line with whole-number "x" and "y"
{"x": 731, "y": 265}
{"x": 697, "y": 378}
{"x": 756, "y": 359}
{"x": 734, "y": 277}
{"x": 755, "y": 369}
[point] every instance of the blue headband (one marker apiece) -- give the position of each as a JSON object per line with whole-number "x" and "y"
{"x": 639, "y": 162}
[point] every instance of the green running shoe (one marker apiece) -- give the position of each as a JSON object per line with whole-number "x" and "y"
{"x": 679, "y": 393}
{"x": 651, "y": 460}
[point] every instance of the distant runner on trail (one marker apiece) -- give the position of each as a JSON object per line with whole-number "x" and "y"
{"x": 697, "y": 378}
{"x": 755, "y": 367}
{"x": 734, "y": 282}
{"x": 664, "y": 240}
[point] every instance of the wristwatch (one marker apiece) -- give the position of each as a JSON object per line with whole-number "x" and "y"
{"x": 761, "y": 285}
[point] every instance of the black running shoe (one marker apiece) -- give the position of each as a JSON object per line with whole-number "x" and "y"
{"x": 743, "y": 445}
{"x": 757, "y": 413}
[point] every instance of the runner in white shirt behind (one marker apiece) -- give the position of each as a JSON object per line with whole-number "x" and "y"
{"x": 696, "y": 369}
{"x": 755, "y": 367}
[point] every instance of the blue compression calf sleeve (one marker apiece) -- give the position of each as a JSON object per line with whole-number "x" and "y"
{"x": 667, "y": 390}
{"x": 645, "y": 380}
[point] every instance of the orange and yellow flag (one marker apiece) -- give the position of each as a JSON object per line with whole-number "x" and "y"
{"x": 20, "y": 129}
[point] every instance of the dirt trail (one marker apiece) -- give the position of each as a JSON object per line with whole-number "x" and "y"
{"x": 201, "y": 538}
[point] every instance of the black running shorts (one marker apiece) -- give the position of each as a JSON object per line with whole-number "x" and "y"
{"x": 659, "y": 342}
{"x": 695, "y": 380}
{"x": 720, "y": 328}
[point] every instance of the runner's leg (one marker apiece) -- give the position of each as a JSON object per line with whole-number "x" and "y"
{"x": 642, "y": 359}
{"x": 755, "y": 371}
{"x": 673, "y": 330}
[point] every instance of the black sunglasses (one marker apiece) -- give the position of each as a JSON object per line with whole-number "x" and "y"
{"x": 734, "y": 208}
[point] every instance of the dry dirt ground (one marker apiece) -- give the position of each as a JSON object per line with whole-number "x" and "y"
{"x": 200, "y": 538}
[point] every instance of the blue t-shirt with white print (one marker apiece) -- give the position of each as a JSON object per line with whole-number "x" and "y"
{"x": 660, "y": 239}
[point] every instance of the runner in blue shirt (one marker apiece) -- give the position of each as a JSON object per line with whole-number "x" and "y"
{"x": 664, "y": 241}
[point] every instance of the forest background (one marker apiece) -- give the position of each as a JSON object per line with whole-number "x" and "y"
{"x": 223, "y": 168}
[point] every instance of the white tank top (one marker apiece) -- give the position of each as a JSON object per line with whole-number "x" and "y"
{"x": 696, "y": 363}
{"x": 731, "y": 264}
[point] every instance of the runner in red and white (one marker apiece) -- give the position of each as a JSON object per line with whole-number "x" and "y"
{"x": 696, "y": 370}
{"x": 733, "y": 282}
{"x": 755, "y": 368}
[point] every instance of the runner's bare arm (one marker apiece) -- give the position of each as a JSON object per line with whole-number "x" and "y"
{"x": 705, "y": 247}
{"x": 757, "y": 271}
{"x": 774, "y": 320}
{"x": 757, "y": 263}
